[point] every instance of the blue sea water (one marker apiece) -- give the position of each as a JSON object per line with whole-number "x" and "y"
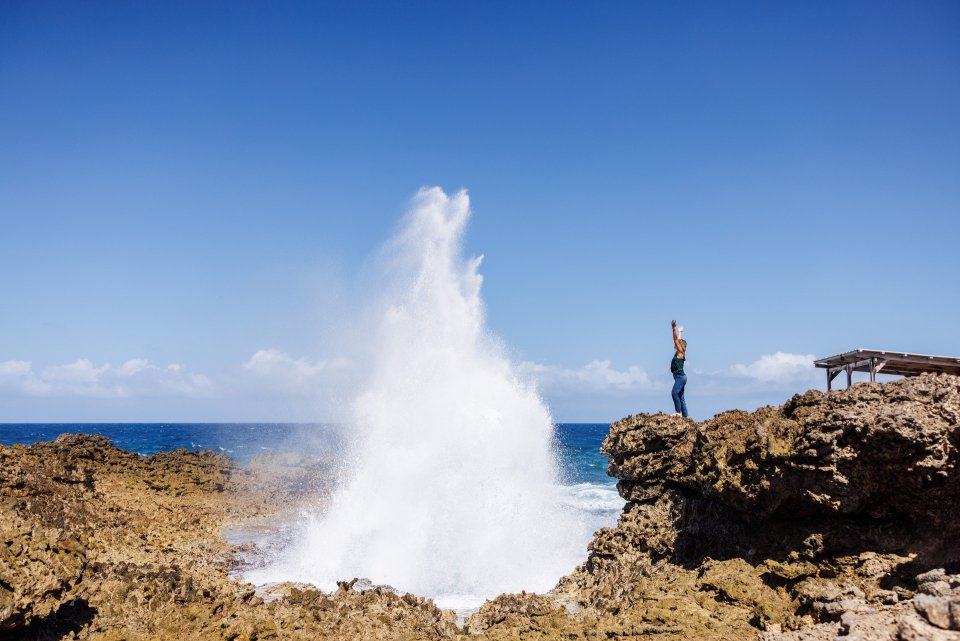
{"x": 578, "y": 444}
{"x": 242, "y": 441}
{"x": 582, "y": 467}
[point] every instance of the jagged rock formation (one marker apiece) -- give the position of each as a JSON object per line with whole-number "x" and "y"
{"x": 103, "y": 544}
{"x": 932, "y": 614}
{"x": 780, "y": 518}
{"x": 835, "y": 516}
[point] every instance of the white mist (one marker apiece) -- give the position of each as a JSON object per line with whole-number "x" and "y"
{"x": 453, "y": 492}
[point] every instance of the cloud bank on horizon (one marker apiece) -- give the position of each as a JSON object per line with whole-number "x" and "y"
{"x": 573, "y": 393}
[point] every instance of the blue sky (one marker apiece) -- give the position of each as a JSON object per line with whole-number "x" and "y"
{"x": 191, "y": 184}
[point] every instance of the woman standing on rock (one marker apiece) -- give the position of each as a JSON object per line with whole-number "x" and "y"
{"x": 676, "y": 368}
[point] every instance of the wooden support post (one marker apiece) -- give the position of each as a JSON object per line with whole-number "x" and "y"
{"x": 832, "y": 373}
{"x": 849, "y": 376}
{"x": 873, "y": 370}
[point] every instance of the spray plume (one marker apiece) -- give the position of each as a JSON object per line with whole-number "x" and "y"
{"x": 453, "y": 491}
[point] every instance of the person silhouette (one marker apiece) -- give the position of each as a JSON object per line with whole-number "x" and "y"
{"x": 676, "y": 368}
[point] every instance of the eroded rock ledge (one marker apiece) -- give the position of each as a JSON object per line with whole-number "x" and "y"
{"x": 833, "y": 516}
{"x": 818, "y": 515}
{"x": 99, "y": 543}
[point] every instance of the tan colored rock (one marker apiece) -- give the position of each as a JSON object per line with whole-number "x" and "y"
{"x": 528, "y": 616}
{"x": 941, "y": 611}
{"x": 833, "y": 516}
{"x": 807, "y": 516}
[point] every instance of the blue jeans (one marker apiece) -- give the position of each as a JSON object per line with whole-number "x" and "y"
{"x": 679, "y": 402}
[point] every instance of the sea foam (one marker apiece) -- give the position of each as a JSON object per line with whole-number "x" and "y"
{"x": 453, "y": 490}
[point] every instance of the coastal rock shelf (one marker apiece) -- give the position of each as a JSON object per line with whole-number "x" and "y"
{"x": 822, "y": 512}
{"x": 834, "y": 516}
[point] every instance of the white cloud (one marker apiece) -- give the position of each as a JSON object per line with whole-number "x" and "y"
{"x": 268, "y": 373}
{"x": 273, "y": 362}
{"x": 14, "y": 368}
{"x": 596, "y": 377}
{"x": 779, "y": 368}
{"x": 135, "y": 377}
{"x": 18, "y": 376}
{"x": 79, "y": 372}
{"x": 271, "y": 372}
{"x": 135, "y": 365}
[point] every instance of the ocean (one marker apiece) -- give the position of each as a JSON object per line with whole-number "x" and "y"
{"x": 582, "y": 466}
{"x": 586, "y": 494}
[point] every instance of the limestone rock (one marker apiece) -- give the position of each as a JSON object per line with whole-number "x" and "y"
{"x": 803, "y": 520}
{"x": 831, "y": 517}
{"x": 527, "y": 616}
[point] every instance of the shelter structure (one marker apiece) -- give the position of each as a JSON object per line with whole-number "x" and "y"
{"x": 876, "y": 361}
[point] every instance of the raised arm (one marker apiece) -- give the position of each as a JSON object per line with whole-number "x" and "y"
{"x": 676, "y": 339}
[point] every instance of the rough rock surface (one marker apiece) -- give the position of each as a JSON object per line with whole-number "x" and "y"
{"x": 822, "y": 511}
{"x": 831, "y": 517}
{"x": 99, "y": 543}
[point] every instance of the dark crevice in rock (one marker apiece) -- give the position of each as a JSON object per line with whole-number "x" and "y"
{"x": 65, "y": 621}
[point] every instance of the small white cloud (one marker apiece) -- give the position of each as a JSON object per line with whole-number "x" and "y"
{"x": 275, "y": 373}
{"x": 133, "y": 366}
{"x": 19, "y": 377}
{"x": 199, "y": 380}
{"x": 79, "y": 372}
{"x": 779, "y": 368}
{"x": 273, "y": 362}
{"x": 596, "y": 377}
{"x": 13, "y": 369}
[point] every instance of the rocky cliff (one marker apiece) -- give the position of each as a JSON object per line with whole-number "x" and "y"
{"x": 821, "y": 512}
{"x": 834, "y": 516}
